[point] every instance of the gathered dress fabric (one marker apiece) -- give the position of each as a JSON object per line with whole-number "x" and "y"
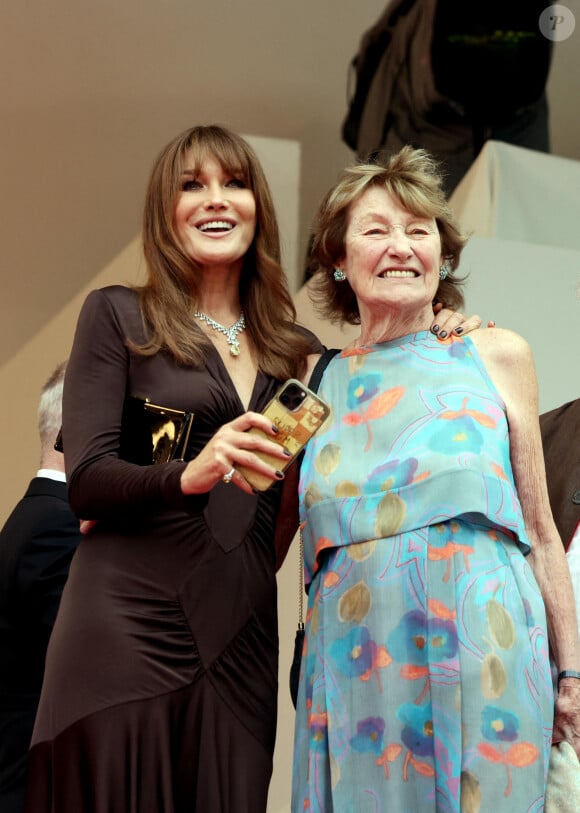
{"x": 425, "y": 681}
{"x": 160, "y": 690}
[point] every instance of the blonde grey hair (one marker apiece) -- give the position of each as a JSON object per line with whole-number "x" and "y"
{"x": 50, "y": 408}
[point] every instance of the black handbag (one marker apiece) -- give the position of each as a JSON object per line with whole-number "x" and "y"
{"x": 314, "y": 383}
{"x": 296, "y": 663}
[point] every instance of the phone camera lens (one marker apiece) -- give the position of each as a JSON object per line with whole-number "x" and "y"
{"x": 292, "y": 397}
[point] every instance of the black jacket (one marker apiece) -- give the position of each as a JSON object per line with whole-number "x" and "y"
{"x": 36, "y": 547}
{"x": 561, "y": 440}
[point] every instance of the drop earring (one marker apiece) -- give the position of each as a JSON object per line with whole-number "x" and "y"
{"x": 339, "y": 275}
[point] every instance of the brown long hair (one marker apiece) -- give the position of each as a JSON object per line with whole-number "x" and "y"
{"x": 169, "y": 296}
{"x": 414, "y": 179}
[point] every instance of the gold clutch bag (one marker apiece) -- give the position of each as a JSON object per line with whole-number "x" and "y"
{"x": 150, "y": 433}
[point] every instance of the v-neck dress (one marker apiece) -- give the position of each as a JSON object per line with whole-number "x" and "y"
{"x": 160, "y": 689}
{"x": 425, "y": 684}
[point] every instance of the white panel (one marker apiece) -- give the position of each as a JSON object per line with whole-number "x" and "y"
{"x": 534, "y": 290}
{"x": 280, "y": 159}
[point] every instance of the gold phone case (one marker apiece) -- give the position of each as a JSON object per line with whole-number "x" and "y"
{"x": 298, "y": 413}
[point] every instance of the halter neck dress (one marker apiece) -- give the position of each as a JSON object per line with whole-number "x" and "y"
{"x": 425, "y": 682}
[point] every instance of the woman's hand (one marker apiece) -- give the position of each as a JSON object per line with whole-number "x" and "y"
{"x": 232, "y": 446}
{"x": 447, "y": 322}
{"x": 567, "y": 719}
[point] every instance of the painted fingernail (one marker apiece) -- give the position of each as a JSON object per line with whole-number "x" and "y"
{"x": 458, "y": 330}
{"x": 443, "y": 334}
{"x": 280, "y": 475}
{"x": 275, "y": 429}
{"x": 435, "y": 329}
{"x": 287, "y": 452}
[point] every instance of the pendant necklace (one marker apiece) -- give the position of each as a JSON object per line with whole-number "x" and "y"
{"x": 229, "y": 332}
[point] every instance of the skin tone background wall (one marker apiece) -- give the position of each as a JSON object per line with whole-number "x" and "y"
{"x": 89, "y": 92}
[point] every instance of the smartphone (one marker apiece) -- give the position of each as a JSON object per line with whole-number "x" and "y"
{"x": 298, "y": 413}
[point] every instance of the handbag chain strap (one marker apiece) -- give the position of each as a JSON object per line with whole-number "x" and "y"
{"x": 301, "y": 583}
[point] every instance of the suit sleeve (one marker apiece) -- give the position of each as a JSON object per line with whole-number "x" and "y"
{"x": 44, "y": 564}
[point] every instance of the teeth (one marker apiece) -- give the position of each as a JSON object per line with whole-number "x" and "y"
{"x": 216, "y": 224}
{"x": 397, "y": 273}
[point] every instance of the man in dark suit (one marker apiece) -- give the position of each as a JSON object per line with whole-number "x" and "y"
{"x": 561, "y": 441}
{"x": 36, "y": 547}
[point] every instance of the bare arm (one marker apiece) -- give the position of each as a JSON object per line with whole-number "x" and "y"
{"x": 510, "y": 364}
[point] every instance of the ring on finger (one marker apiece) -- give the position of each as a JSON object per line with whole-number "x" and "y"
{"x": 227, "y": 478}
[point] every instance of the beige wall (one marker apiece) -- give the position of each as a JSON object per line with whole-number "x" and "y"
{"x": 89, "y": 92}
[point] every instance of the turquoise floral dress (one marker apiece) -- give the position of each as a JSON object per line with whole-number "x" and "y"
{"x": 425, "y": 681}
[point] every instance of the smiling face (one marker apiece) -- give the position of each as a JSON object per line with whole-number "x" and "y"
{"x": 215, "y": 215}
{"x": 392, "y": 257}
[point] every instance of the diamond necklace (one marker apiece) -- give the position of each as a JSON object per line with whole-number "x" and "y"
{"x": 229, "y": 332}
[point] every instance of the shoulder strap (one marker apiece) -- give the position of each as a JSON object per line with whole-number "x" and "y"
{"x": 316, "y": 378}
{"x": 320, "y": 367}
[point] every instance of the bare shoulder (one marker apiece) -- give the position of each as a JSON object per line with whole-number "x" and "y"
{"x": 508, "y": 359}
{"x": 501, "y": 346}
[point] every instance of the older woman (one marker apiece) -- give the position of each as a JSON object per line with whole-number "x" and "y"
{"x": 437, "y": 581}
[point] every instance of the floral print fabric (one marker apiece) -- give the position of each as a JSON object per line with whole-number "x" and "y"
{"x": 425, "y": 682}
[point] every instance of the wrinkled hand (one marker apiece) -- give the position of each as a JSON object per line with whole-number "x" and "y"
{"x": 232, "y": 446}
{"x": 567, "y": 717}
{"x": 447, "y": 322}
